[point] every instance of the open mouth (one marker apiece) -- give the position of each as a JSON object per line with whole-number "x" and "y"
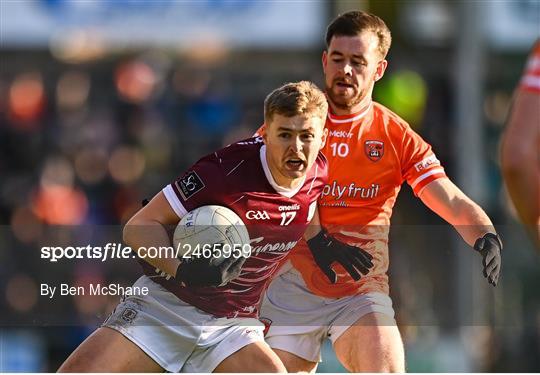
{"x": 294, "y": 164}
{"x": 344, "y": 85}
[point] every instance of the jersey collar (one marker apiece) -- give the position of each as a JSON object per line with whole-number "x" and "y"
{"x": 350, "y": 117}
{"x": 289, "y": 193}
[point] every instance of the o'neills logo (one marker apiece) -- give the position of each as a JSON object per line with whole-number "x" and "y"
{"x": 270, "y": 247}
{"x": 374, "y": 150}
{"x": 293, "y": 207}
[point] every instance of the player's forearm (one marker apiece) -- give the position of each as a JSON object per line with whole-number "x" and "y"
{"x": 470, "y": 220}
{"x": 142, "y": 235}
{"x": 444, "y": 198}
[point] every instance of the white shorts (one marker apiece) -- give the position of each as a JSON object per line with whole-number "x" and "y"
{"x": 300, "y": 321}
{"x": 177, "y": 335}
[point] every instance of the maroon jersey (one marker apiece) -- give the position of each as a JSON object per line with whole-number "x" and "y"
{"x": 238, "y": 177}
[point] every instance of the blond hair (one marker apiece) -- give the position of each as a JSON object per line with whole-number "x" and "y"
{"x": 296, "y": 98}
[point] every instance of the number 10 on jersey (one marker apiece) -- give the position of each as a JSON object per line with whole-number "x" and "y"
{"x": 340, "y": 149}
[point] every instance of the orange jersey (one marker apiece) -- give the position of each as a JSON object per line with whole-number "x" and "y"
{"x": 531, "y": 76}
{"x": 370, "y": 155}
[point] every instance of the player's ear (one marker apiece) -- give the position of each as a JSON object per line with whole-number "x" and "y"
{"x": 324, "y": 136}
{"x": 262, "y": 132}
{"x": 381, "y": 68}
{"x": 324, "y": 60}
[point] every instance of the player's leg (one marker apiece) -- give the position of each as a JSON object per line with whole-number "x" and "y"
{"x": 297, "y": 321}
{"x": 294, "y": 363}
{"x": 255, "y": 357}
{"x": 372, "y": 344}
{"x": 107, "y": 350}
{"x": 149, "y": 332}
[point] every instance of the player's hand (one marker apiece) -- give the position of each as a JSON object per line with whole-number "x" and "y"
{"x": 201, "y": 272}
{"x": 327, "y": 250}
{"x": 490, "y": 246}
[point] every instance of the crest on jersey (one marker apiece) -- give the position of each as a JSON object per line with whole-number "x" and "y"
{"x": 190, "y": 184}
{"x": 128, "y": 315}
{"x": 374, "y": 150}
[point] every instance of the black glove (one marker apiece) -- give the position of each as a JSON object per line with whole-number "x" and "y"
{"x": 201, "y": 272}
{"x": 490, "y": 246}
{"x": 327, "y": 250}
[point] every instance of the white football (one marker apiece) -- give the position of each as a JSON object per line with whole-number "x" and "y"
{"x": 211, "y": 232}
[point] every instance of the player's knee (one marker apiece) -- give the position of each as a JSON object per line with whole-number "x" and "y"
{"x": 385, "y": 359}
{"x": 388, "y": 349}
{"x": 391, "y": 359}
{"x": 372, "y": 349}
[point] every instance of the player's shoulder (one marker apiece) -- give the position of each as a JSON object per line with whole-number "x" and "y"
{"x": 396, "y": 127}
{"x": 389, "y": 118}
{"x": 243, "y": 149}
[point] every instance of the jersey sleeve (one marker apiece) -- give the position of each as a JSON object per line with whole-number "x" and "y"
{"x": 322, "y": 161}
{"x": 530, "y": 81}
{"x": 259, "y": 131}
{"x": 420, "y": 166}
{"x": 200, "y": 185}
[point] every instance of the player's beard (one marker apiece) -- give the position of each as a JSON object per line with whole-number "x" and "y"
{"x": 346, "y": 103}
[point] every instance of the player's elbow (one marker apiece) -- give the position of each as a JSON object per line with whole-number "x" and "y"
{"x": 465, "y": 211}
{"x": 131, "y": 229}
{"x": 128, "y": 232}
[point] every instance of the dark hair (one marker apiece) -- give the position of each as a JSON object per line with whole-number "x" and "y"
{"x": 298, "y": 98}
{"x": 356, "y": 22}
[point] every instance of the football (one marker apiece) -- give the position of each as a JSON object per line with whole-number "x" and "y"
{"x": 211, "y": 232}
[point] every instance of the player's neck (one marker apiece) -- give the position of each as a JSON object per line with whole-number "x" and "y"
{"x": 282, "y": 184}
{"x": 360, "y": 107}
{"x": 282, "y": 181}
{"x": 286, "y": 183}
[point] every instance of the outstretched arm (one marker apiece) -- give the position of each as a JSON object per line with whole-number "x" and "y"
{"x": 444, "y": 198}
{"x": 449, "y": 202}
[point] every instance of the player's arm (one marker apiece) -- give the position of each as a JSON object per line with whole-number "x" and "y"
{"x": 444, "y": 198}
{"x": 148, "y": 228}
{"x": 520, "y": 159}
